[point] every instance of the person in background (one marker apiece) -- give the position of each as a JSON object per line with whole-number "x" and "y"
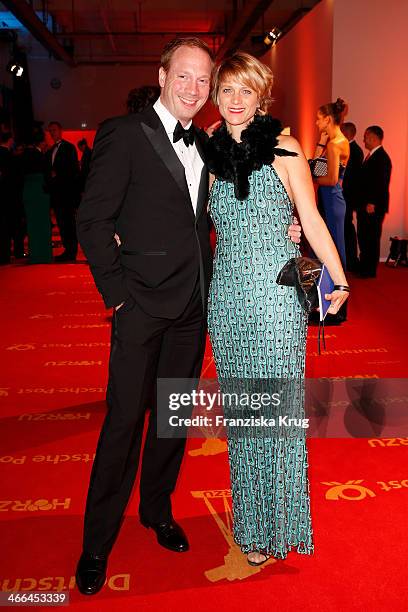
{"x": 35, "y": 199}
{"x": 12, "y": 225}
{"x": 141, "y": 97}
{"x": 62, "y": 183}
{"x": 350, "y": 192}
{"x": 374, "y": 199}
{"x": 84, "y": 163}
{"x": 334, "y": 146}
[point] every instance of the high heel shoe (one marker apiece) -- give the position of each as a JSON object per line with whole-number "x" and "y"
{"x": 257, "y": 563}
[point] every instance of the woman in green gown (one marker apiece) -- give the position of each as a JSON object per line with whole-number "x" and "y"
{"x": 36, "y": 201}
{"x": 258, "y": 328}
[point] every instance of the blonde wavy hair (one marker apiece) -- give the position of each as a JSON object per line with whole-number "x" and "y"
{"x": 248, "y": 70}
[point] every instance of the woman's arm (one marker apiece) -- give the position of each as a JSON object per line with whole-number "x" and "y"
{"x": 321, "y": 145}
{"x": 314, "y": 227}
{"x": 333, "y": 163}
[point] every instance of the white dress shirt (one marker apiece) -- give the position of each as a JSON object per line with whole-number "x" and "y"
{"x": 369, "y": 154}
{"x": 189, "y": 156}
{"x": 55, "y": 151}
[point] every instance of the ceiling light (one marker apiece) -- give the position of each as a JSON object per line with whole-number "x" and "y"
{"x": 15, "y": 68}
{"x": 272, "y": 36}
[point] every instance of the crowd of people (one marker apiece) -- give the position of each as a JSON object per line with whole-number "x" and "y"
{"x": 38, "y": 180}
{"x": 353, "y": 184}
{"x": 353, "y": 195}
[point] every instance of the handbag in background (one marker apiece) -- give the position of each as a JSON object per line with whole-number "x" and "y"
{"x": 318, "y": 166}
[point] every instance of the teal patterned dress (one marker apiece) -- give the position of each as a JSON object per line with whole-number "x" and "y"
{"x": 258, "y": 332}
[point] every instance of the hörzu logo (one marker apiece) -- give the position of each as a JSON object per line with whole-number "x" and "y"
{"x": 30, "y": 505}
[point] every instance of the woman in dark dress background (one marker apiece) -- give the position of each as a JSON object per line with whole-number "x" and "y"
{"x": 36, "y": 201}
{"x": 334, "y": 146}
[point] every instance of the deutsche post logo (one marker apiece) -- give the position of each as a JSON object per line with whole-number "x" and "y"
{"x": 351, "y": 490}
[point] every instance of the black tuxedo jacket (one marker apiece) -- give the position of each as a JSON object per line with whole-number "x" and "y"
{"x": 136, "y": 187}
{"x": 65, "y": 166}
{"x": 352, "y": 174}
{"x": 374, "y": 181}
{"x": 6, "y": 171}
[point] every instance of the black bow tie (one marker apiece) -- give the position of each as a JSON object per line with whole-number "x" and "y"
{"x": 180, "y": 133}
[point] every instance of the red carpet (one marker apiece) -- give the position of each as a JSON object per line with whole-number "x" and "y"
{"x": 54, "y": 349}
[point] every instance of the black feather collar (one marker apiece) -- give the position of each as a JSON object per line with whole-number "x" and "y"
{"x": 235, "y": 161}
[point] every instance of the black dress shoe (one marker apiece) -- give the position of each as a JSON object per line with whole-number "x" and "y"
{"x": 91, "y": 573}
{"x": 169, "y": 535}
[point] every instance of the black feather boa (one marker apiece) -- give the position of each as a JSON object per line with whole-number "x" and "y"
{"x": 235, "y": 161}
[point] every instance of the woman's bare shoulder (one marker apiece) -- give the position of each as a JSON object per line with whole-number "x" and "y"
{"x": 289, "y": 143}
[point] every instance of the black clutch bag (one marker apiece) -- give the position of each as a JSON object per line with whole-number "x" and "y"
{"x": 303, "y": 274}
{"x": 318, "y": 166}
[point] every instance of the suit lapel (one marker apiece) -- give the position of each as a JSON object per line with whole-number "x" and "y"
{"x": 203, "y": 187}
{"x": 155, "y": 132}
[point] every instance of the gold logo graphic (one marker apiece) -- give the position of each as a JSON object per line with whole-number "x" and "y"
{"x": 4, "y": 391}
{"x": 86, "y": 326}
{"x": 211, "y": 446}
{"x": 373, "y": 442}
{"x": 30, "y": 505}
{"x": 21, "y": 347}
{"x": 72, "y": 363}
{"x": 42, "y": 316}
{"x": 50, "y": 390}
{"x": 55, "y": 416}
{"x": 235, "y": 566}
{"x": 348, "y": 490}
{"x": 117, "y": 582}
{"x": 13, "y": 460}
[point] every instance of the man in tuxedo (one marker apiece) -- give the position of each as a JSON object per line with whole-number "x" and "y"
{"x": 12, "y": 221}
{"x": 148, "y": 183}
{"x": 62, "y": 182}
{"x": 373, "y": 203}
{"x": 6, "y": 196}
{"x": 350, "y": 191}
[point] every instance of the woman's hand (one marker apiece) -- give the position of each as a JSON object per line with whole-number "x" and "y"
{"x": 295, "y": 231}
{"x": 324, "y": 137}
{"x": 211, "y": 128}
{"x": 118, "y": 242}
{"x": 337, "y": 299}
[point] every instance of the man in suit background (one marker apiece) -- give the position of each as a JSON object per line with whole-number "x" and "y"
{"x": 148, "y": 184}
{"x": 6, "y": 196}
{"x": 84, "y": 163}
{"x": 62, "y": 182}
{"x": 350, "y": 191}
{"x": 373, "y": 203}
{"x": 12, "y": 221}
